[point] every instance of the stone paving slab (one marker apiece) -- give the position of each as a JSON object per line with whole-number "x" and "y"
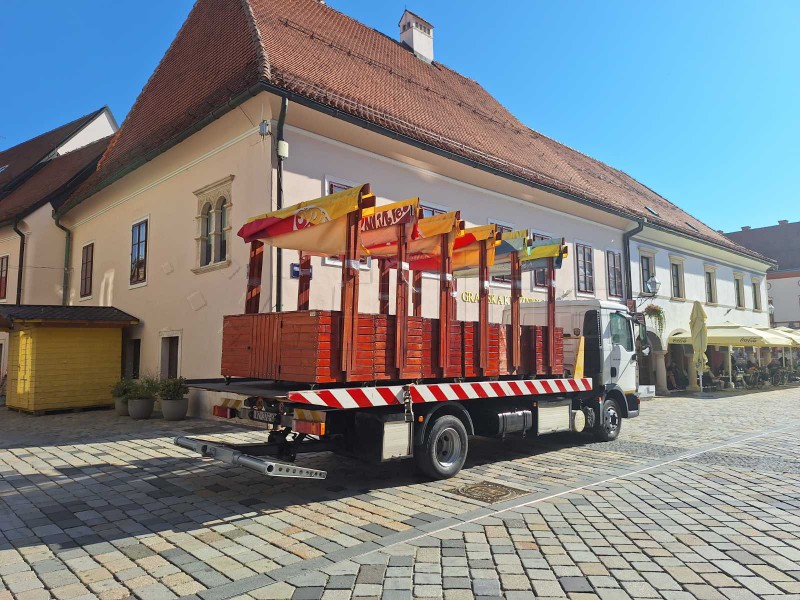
{"x": 101, "y": 506}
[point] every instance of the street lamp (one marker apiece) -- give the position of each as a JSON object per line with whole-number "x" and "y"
{"x": 653, "y": 285}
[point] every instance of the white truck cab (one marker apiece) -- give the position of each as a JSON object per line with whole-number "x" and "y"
{"x": 611, "y": 336}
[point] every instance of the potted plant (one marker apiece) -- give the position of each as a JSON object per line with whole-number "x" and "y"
{"x": 174, "y": 402}
{"x": 120, "y": 393}
{"x": 142, "y": 397}
{"x": 656, "y": 314}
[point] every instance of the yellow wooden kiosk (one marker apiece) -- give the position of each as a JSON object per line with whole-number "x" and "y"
{"x": 62, "y": 357}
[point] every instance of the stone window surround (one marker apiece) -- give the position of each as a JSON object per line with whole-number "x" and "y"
{"x": 210, "y": 195}
{"x": 680, "y": 261}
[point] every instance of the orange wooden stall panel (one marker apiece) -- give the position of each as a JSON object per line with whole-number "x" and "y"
{"x": 305, "y": 347}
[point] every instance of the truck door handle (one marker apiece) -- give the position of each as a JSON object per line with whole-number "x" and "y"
{"x": 613, "y": 371}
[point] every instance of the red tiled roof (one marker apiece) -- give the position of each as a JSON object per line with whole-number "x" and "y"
{"x": 312, "y": 50}
{"x": 26, "y": 155}
{"x": 56, "y": 177}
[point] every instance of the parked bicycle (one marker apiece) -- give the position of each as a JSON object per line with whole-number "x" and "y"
{"x": 779, "y": 376}
{"x": 755, "y": 379}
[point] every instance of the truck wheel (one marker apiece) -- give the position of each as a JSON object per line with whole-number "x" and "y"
{"x": 444, "y": 449}
{"x": 610, "y": 423}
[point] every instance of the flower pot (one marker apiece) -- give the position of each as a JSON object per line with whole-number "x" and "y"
{"x": 121, "y": 407}
{"x": 141, "y": 408}
{"x": 175, "y": 410}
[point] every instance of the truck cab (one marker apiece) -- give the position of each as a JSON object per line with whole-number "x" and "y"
{"x": 610, "y": 334}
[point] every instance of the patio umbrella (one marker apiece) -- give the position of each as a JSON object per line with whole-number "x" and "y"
{"x": 697, "y": 325}
{"x": 731, "y": 334}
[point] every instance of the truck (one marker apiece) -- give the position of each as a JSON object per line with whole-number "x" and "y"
{"x": 397, "y": 385}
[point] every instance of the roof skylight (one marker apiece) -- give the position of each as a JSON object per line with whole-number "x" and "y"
{"x": 652, "y": 210}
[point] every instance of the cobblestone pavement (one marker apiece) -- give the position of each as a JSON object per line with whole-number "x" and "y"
{"x": 698, "y": 498}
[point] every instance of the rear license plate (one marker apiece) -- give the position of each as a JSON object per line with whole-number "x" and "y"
{"x": 264, "y": 416}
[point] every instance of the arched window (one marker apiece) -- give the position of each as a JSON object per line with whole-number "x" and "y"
{"x": 222, "y": 229}
{"x": 213, "y": 220}
{"x": 206, "y": 241}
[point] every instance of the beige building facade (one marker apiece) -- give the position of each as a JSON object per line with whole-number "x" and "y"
{"x": 229, "y": 166}
{"x": 153, "y": 229}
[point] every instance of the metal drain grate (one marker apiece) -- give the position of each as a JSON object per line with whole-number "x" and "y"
{"x": 487, "y": 491}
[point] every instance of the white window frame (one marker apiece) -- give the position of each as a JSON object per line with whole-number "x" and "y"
{"x": 756, "y": 281}
{"x": 80, "y": 272}
{"x": 534, "y": 287}
{"x": 713, "y": 270}
{"x": 680, "y": 262}
{"x": 650, "y": 254}
{"x": 578, "y": 293}
{"x": 506, "y": 285}
{"x": 738, "y": 279}
{"x": 178, "y": 333}
{"x": 328, "y": 261}
{"x": 133, "y": 286}
{"x": 444, "y": 209}
{"x": 7, "y": 256}
{"x": 611, "y": 296}
{"x": 212, "y": 195}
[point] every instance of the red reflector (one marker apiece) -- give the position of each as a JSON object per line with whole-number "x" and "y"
{"x": 309, "y": 427}
{"x": 224, "y": 412}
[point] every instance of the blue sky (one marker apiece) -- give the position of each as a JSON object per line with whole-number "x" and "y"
{"x": 698, "y": 100}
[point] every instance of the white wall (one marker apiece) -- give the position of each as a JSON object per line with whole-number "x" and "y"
{"x": 677, "y": 311}
{"x": 176, "y": 300}
{"x": 785, "y": 294}
{"x": 101, "y": 126}
{"x": 315, "y": 160}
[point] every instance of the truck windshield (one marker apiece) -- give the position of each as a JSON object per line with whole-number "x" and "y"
{"x": 621, "y": 331}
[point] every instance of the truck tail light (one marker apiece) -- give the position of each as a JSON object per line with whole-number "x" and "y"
{"x": 225, "y": 412}
{"x": 308, "y": 427}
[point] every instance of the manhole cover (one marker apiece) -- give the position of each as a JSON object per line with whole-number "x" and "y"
{"x": 487, "y": 491}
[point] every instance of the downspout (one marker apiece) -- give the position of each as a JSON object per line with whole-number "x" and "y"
{"x": 20, "y": 262}
{"x": 626, "y": 253}
{"x": 282, "y": 152}
{"x": 67, "y": 254}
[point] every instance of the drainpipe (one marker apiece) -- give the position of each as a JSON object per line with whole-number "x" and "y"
{"x": 282, "y": 151}
{"x": 67, "y": 253}
{"x": 626, "y": 253}
{"x": 20, "y": 262}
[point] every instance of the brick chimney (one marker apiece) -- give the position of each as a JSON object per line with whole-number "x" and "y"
{"x": 783, "y": 222}
{"x": 417, "y": 34}
{"x": 746, "y": 228}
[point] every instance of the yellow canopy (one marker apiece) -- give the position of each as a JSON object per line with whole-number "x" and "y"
{"x": 792, "y": 339}
{"x": 739, "y": 335}
{"x": 467, "y": 246}
{"x": 314, "y": 226}
{"x": 731, "y": 334}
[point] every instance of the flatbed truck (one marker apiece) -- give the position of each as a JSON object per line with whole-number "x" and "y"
{"x": 391, "y": 387}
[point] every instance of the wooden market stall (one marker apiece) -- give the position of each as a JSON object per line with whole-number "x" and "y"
{"x": 334, "y": 346}
{"x": 62, "y": 357}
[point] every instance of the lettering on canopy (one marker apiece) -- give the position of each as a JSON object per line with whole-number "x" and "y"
{"x": 501, "y": 299}
{"x": 308, "y": 217}
{"x": 388, "y": 218}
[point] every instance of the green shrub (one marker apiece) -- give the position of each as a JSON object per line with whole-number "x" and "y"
{"x": 172, "y": 389}
{"x": 122, "y": 388}
{"x": 145, "y": 388}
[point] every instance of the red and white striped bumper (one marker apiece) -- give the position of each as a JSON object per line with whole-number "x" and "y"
{"x": 437, "y": 392}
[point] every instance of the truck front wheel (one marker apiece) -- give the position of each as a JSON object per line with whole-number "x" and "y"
{"x": 609, "y": 425}
{"x": 444, "y": 448}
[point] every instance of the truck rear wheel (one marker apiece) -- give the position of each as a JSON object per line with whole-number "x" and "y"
{"x": 444, "y": 448}
{"x": 610, "y": 423}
